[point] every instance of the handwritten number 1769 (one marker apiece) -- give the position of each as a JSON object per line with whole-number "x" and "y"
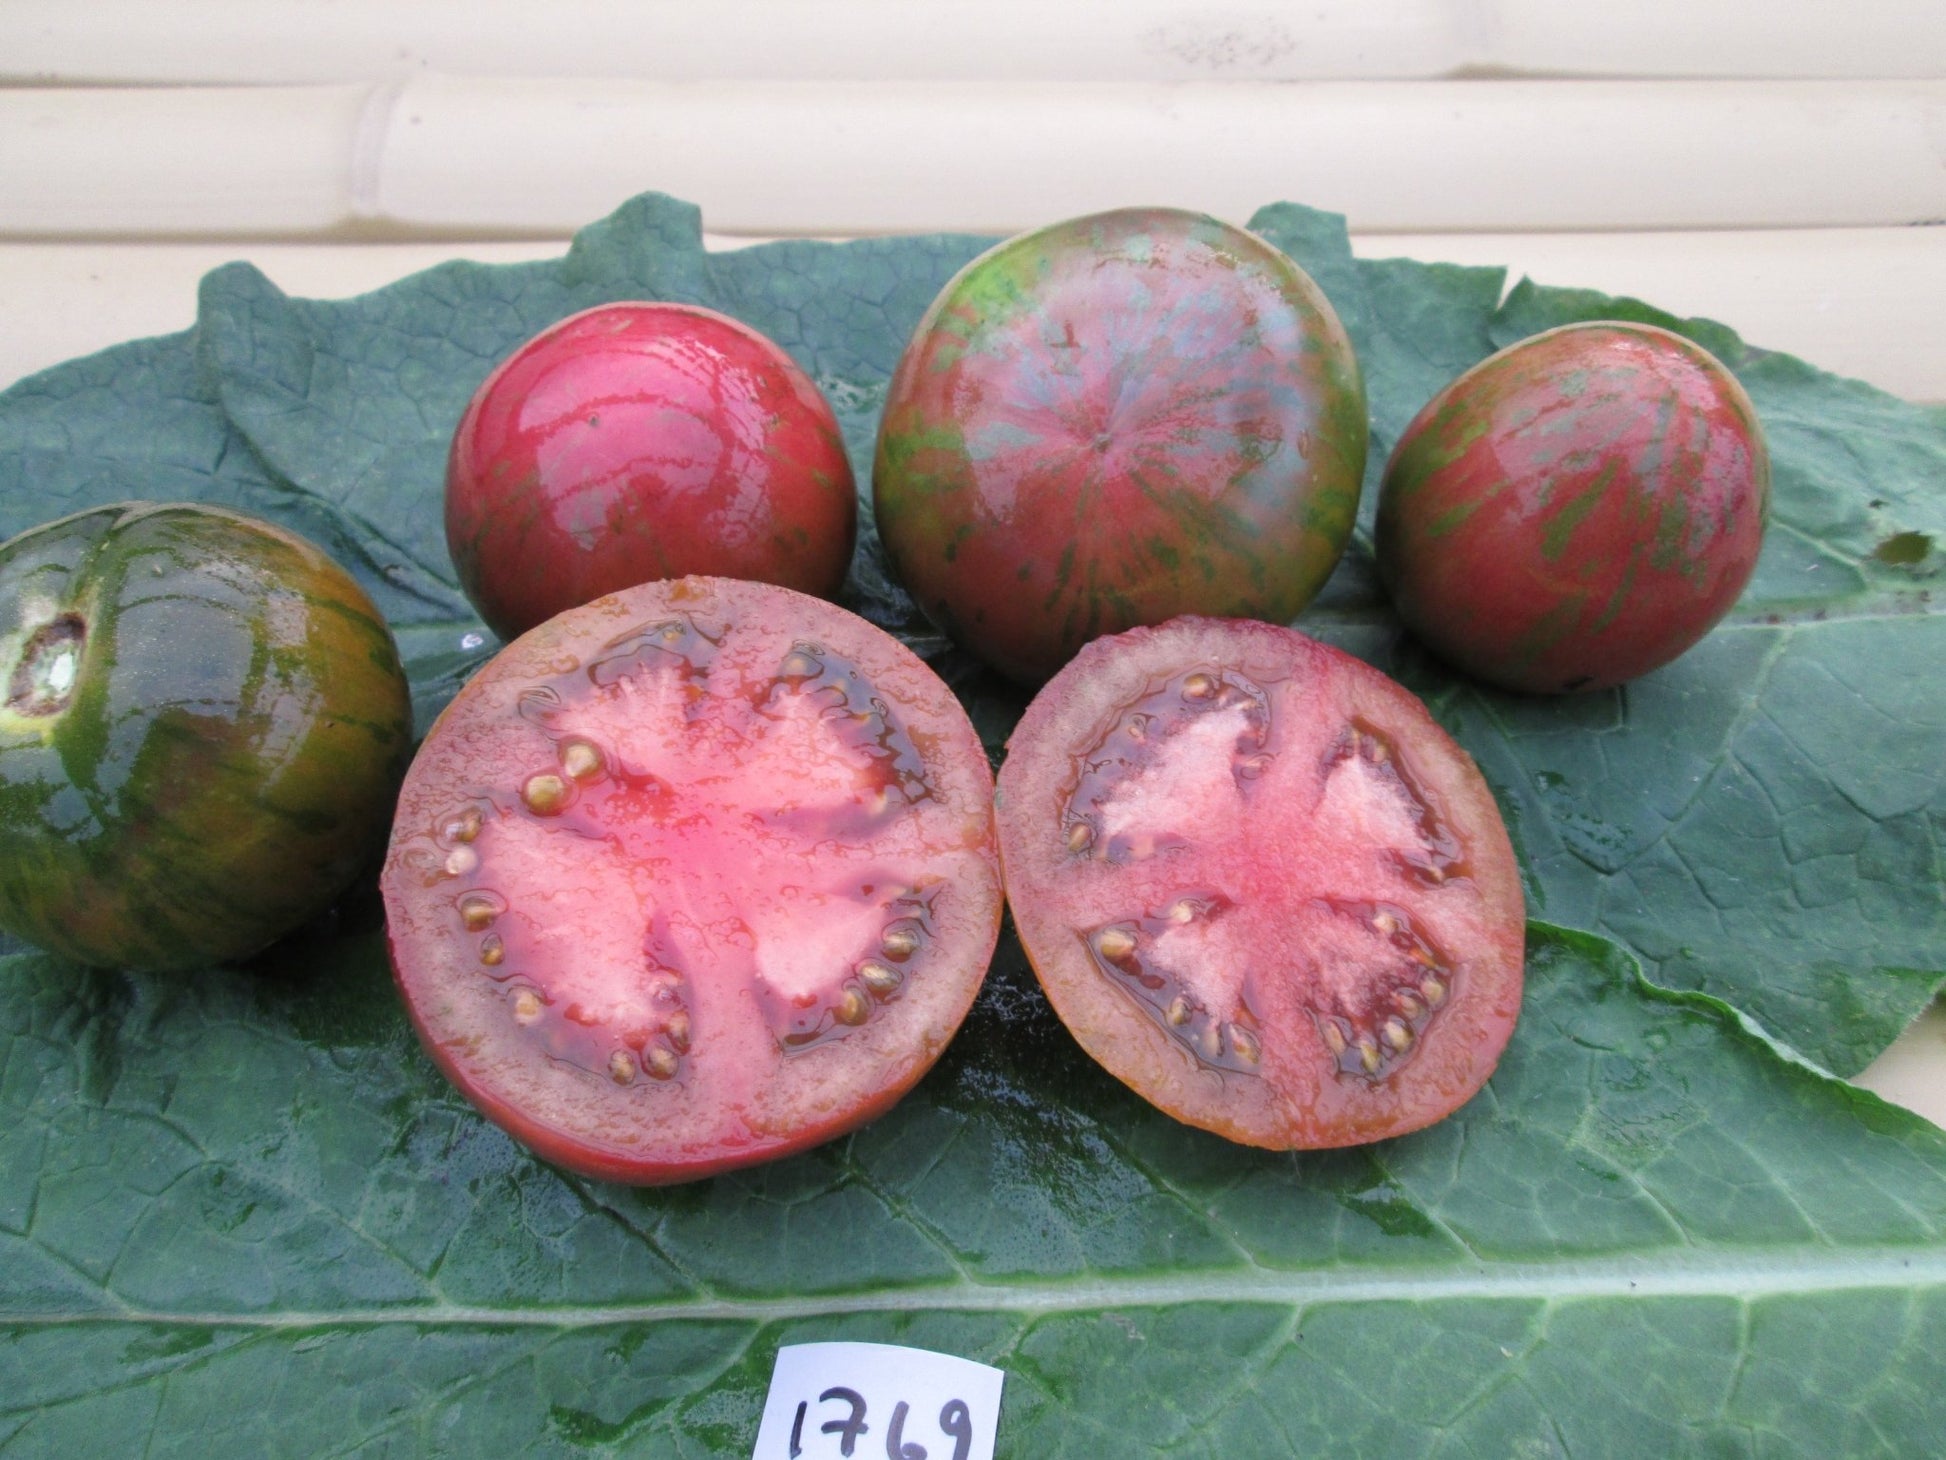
{"x": 955, "y": 1421}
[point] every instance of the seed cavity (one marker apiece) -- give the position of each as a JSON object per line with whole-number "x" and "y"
{"x": 1137, "y": 741}
{"x": 1439, "y": 858}
{"x": 1372, "y": 1024}
{"x": 1125, "y": 953}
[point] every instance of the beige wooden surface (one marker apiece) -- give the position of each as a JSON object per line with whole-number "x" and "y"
{"x": 1778, "y": 166}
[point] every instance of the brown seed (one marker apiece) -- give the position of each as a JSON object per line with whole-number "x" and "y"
{"x": 1080, "y": 836}
{"x": 1396, "y": 1034}
{"x": 1114, "y": 943}
{"x": 1198, "y": 687}
{"x": 492, "y": 951}
{"x": 1178, "y": 1011}
{"x": 545, "y": 793}
{"x": 621, "y": 1067}
{"x": 464, "y": 827}
{"x": 661, "y": 1063}
{"x": 1434, "y": 992}
{"x": 880, "y": 978}
{"x": 1334, "y": 1037}
{"x": 581, "y": 759}
{"x": 853, "y": 1007}
{"x": 1245, "y": 1044}
{"x": 461, "y": 860}
{"x": 677, "y": 1029}
{"x": 478, "y": 910}
{"x": 527, "y": 1006}
{"x": 899, "y": 943}
{"x": 1368, "y": 1054}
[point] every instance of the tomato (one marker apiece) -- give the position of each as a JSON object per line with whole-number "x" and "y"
{"x": 1112, "y": 421}
{"x": 204, "y": 725}
{"x": 1577, "y": 509}
{"x": 696, "y": 875}
{"x": 639, "y": 441}
{"x": 1260, "y": 885}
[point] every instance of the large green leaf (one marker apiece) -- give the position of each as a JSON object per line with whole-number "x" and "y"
{"x": 246, "y": 1213}
{"x": 243, "y": 1215}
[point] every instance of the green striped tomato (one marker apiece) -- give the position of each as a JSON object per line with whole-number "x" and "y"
{"x": 1575, "y": 510}
{"x": 204, "y": 725}
{"x": 1113, "y": 421}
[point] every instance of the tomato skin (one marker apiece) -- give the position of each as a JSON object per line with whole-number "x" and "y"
{"x": 205, "y": 722}
{"x": 746, "y": 920}
{"x": 1227, "y": 846}
{"x": 1576, "y": 510}
{"x": 639, "y": 441}
{"x": 1112, "y": 421}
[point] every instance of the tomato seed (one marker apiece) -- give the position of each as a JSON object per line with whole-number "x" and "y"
{"x": 1198, "y": 687}
{"x": 1114, "y": 943}
{"x": 1246, "y": 1045}
{"x": 677, "y": 1030}
{"x": 1334, "y": 1037}
{"x": 621, "y": 1067}
{"x": 464, "y": 827}
{"x": 662, "y": 1063}
{"x": 853, "y": 1007}
{"x": 527, "y": 1006}
{"x": 1396, "y": 1035}
{"x": 1433, "y": 991}
{"x": 1384, "y": 922}
{"x": 1410, "y": 1004}
{"x": 1368, "y": 1054}
{"x": 478, "y": 910}
{"x": 899, "y": 943}
{"x": 581, "y": 759}
{"x": 492, "y": 950}
{"x": 1080, "y": 835}
{"x": 545, "y": 794}
{"x": 1178, "y": 1011}
{"x": 880, "y": 978}
{"x": 461, "y": 860}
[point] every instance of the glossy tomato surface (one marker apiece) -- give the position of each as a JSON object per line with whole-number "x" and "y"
{"x": 1260, "y": 885}
{"x": 1112, "y": 421}
{"x": 693, "y": 876}
{"x": 204, "y": 725}
{"x": 639, "y": 441}
{"x": 1576, "y": 510}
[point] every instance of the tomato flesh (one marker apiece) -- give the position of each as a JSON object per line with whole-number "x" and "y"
{"x": 1260, "y": 885}
{"x": 694, "y": 876}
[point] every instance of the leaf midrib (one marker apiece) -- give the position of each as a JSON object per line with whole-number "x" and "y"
{"x": 1741, "y": 1274}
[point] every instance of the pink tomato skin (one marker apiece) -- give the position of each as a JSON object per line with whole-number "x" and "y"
{"x": 1112, "y": 421}
{"x": 1576, "y": 510}
{"x": 639, "y": 441}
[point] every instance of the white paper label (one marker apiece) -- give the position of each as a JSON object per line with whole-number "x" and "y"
{"x": 877, "y": 1401}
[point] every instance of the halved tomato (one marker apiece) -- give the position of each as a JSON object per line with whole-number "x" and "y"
{"x": 1260, "y": 885}
{"x": 692, "y": 876}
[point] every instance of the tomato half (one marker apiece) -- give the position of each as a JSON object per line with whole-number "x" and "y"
{"x": 693, "y": 876}
{"x": 1260, "y": 885}
{"x": 1113, "y": 421}
{"x": 638, "y": 441}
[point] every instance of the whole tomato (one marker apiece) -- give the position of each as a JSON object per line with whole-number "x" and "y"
{"x": 1577, "y": 509}
{"x": 204, "y": 727}
{"x": 639, "y": 441}
{"x": 1113, "y": 421}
